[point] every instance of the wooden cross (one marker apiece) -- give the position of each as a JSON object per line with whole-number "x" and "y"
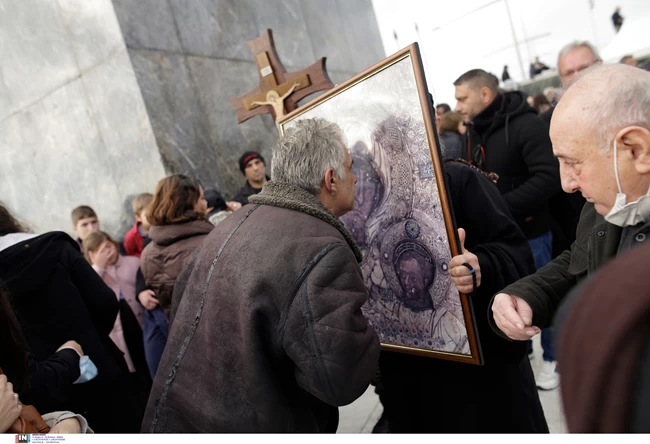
{"x": 279, "y": 91}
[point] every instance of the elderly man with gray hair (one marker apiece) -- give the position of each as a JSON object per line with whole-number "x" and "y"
{"x": 267, "y": 333}
{"x": 564, "y": 208}
{"x": 601, "y": 135}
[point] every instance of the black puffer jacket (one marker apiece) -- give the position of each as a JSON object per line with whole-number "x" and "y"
{"x": 58, "y": 297}
{"x": 508, "y": 138}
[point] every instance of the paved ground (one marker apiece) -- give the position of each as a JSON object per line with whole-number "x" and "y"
{"x": 363, "y": 414}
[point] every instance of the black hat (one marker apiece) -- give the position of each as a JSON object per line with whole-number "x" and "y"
{"x": 247, "y": 157}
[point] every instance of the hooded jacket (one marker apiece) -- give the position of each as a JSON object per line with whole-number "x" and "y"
{"x": 165, "y": 256}
{"x": 268, "y": 335}
{"x": 509, "y": 139}
{"x": 58, "y": 297}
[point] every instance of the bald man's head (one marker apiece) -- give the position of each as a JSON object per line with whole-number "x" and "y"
{"x": 607, "y": 98}
{"x": 606, "y": 103}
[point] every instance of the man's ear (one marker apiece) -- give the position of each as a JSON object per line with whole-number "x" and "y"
{"x": 635, "y": 140}
{"x": 138, "y": 218}
{"x": 486, "y": 95}
{"x": 329, "y": 182}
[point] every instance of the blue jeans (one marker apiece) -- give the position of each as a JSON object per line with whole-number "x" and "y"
{"x": 155, "y": 333}
{"x": 542, "y": 248}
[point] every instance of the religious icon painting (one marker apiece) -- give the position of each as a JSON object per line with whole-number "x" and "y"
{"x": 402, "y": 220}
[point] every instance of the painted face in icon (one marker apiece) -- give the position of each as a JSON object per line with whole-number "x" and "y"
{"x": 416, "y": 273}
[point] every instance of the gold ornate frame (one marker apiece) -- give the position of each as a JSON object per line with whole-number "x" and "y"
{"x": 426, "y": 106}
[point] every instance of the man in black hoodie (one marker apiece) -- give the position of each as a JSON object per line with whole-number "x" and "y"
{"x": 506, "y": 137}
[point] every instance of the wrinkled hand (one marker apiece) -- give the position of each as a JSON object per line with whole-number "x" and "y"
{"x": 148, "y": 299}
{"x": 101, "y": 257}
{"x": 70, "y": 425}
{"x": 460, "y": 274}
{"x": 233, "y": 206}
{"x": 73, "y": 345}
{"x": 514, "y": 317}
{"x": 10, "y": 407}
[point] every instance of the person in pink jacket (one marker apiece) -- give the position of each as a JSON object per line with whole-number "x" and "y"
{"x": 119, "y": 273}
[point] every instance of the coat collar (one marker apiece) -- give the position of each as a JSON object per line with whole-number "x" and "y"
{"x": 291, "y": 197}
{"x": 168, "y": 234}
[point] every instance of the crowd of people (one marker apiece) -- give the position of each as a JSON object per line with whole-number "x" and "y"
{"x": 246, "y": 315}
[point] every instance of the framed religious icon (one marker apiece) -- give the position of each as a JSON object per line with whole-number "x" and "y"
{"x": 402, "y": 220}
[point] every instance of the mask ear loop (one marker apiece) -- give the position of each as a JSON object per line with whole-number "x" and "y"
{"x": 618, "y": 182}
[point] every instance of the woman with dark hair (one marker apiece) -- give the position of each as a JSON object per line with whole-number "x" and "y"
{"x": 179, "y": 224}
{"x": 57, "y": 297}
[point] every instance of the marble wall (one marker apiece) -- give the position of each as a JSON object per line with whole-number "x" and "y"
{"x": 74, "y": 127}
{"x": 99, "y": 99}
{"x": 190, "y": 56}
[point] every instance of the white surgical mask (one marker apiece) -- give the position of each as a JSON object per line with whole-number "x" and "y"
{"x": 625, "y": 214}
{"x": 87, "y": 370}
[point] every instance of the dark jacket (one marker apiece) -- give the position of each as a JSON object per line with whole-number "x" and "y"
{"x": 509, "y": 139}
{"x": 165, "y": 256}
{"x": 247, "y": 191}
{"x": 453, "y": 145}
{"x": 269, "y": 334}
{"x": 57, "y": 297}
{"x": 596, "y": 242}
{"x": 565, "y": 209}
{"x": 500, "y": 396}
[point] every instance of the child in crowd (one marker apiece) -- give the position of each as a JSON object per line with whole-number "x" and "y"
{"x": 119, "y": 273}
{"x": 84, "y": 221}
{"x": 134, "y": 239}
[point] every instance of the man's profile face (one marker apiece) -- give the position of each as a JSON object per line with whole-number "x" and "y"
{"x": 468, "y": 101}
{"x": 255, "y": 171}
{"x": 416, "y": 276}
{"x": 346, "y": 190}
{"x": 583, "y": 166}
{"x": 576, "y": 60}
{"x": 86, "y": 226}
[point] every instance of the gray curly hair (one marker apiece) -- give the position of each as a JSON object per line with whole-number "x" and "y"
{"x": 306, "y": 151}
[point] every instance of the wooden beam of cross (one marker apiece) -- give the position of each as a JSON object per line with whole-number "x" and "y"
{"x": 279, "y": 91}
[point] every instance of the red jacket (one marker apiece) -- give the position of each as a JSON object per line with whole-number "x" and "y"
{"x": 133, "y": 241}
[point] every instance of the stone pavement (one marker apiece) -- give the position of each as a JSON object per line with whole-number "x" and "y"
{"x": 362, "y": 415}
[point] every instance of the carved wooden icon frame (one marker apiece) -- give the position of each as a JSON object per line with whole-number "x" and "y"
{"x": 402, "y": 219}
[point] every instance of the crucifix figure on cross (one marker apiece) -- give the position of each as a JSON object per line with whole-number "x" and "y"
{"x": 277, "y": 102}
{"x": 279, "y": 91}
